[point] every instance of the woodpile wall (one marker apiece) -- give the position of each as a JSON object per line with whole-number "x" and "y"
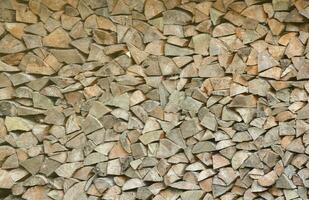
{"x": 154, "y": 99}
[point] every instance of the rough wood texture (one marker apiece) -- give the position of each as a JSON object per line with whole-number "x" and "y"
{"x": 154, "y": 99}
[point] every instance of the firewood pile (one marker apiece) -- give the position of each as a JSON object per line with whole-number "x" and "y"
{"x": 154, "y": 99}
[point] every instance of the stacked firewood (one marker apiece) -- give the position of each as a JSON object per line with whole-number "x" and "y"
{"x": 154, "y": 99}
